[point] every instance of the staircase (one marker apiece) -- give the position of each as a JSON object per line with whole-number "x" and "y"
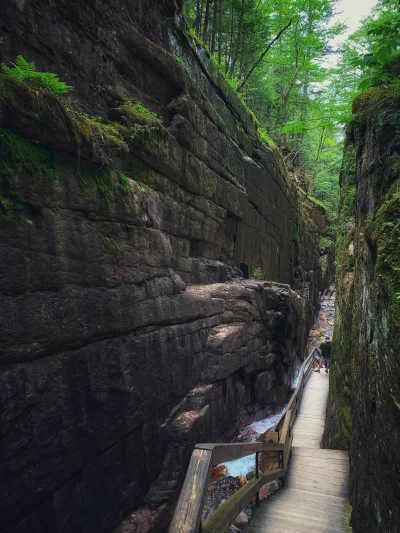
{"x": 314, "y": 498}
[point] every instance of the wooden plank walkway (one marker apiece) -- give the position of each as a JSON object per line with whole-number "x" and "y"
{"x": 314, "y": 499}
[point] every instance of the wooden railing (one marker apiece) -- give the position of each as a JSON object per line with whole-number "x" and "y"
{"x": 187, "y": 517}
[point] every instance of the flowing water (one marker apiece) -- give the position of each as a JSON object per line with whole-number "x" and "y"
{"x": 323, "y": 326}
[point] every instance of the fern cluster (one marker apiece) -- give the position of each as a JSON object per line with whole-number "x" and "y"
{"x": 25, "y": 71}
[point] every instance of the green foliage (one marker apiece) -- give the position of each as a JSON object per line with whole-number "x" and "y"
{"x": 386, "y": 233}
{"x": 349, "y": 202}
{"x": 265, "y": 137}
{"x": 142, "y": 110}
{"x": 288, "y": 90}
{"x": 25, "y": 71}
{"x": 316, "y": 202}
{"x": 97, "y": 121}
{"x": 325, "y": 242}
{"x": 378, "y": 57}
{"x": 257, "y": 274}
{"x": 179, "y": 60}
{"x": 12, "y": 208}
{"x": 16, "y": 153}
{"x": 109, "y": 182}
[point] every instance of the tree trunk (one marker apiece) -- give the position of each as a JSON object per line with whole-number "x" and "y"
{"x": 238, "y": 43}
{"x": 229, "y": 57}
{"x": 214, "y": 26}
{"x": 197, "y": 22}
{"x": 311, "y": 185}
{"x": 206, "y": 20}
{"x": 220, "y": 32}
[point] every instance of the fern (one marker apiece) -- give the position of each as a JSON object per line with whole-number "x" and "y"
{"x": 25, "y": 71}
{"x": 257, "y": 274}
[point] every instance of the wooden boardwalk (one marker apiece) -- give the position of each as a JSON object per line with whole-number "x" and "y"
{"x": 314, "y": 498}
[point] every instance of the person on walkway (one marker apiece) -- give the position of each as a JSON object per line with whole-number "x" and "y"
{"x": 325, "y": 353}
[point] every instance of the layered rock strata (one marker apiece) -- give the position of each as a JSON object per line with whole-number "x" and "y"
{"x": 124, "y": 340}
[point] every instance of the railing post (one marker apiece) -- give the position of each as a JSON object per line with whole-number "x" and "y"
{"x": 283, "y": 466}
{"x": 257, "y": 476}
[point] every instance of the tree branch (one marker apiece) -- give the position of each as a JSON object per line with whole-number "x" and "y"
{"x": 263, "y": 55}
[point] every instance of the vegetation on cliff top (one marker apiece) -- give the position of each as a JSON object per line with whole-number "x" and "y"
{"x": 41, "y": 96}
{"x": 25, "y": 71}
{"x": 276, "y": 55}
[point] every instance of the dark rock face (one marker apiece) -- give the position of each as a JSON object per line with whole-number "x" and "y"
{"x": 364, "y": 406}
{"x": 124, "y": 340}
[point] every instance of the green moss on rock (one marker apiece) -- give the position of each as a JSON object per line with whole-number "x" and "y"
{"x": 17, "y": 152}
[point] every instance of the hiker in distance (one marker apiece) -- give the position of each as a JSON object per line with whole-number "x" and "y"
{"x": 325, "y": 354}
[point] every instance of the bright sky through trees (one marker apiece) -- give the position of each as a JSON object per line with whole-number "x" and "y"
{"x": 298, "y": 65}
{"x": 349, "y": 12}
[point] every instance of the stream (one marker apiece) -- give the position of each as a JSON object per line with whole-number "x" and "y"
{"x": 323, "y": 326}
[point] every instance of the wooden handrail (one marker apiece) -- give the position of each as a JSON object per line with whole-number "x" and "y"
{"x": 225, "y": 515}
{"x": 230, "y": 451}
{"x": 190, "y": 505}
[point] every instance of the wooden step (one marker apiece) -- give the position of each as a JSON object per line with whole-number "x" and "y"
{"x": 284, "y": 525}
{"x": 322, "y": 452}
{"x": 334, "y": 522}
{"x": 314, "y": 499}
{"x": 319, "y": 473}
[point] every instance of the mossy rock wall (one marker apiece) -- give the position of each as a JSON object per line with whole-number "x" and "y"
{"x": 124, "y": 337}
{"x": 364, "y": 406}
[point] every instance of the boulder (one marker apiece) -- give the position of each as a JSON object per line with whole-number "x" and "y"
{"x": 219, "y": 491}
{"x": 218, "y": 472}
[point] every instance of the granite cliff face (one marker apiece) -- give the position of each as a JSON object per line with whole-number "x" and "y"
{"x": 364, "y": 405}
{"x": 126, "y": 335}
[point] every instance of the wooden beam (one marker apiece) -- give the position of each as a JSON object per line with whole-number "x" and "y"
{"x": 230, "y": 451}
{"x": 190, "y": 505}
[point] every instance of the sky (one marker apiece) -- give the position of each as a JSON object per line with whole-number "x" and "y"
{"x": 351, "y": 12}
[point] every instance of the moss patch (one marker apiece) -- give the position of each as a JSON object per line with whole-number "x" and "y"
{"x": 262, "y": 132}
{"x": 318, "y": 203}
{"x": 386, "y": 235}
{"x": 368, "y": 106}
{"x": 17, "y": 152}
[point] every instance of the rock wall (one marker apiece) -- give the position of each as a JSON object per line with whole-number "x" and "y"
{"x": 126, "y": 335}
{"x": 364, "y": 405}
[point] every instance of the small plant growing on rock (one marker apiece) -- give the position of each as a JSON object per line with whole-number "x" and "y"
{"x": 24, "y": 71}
{"x": 140, "y": 108}
{"x": 265, "y": 137}
{"x": 98, "y": 121}
{"x": 257, "y": 274}
{"x": 179, "y": 60}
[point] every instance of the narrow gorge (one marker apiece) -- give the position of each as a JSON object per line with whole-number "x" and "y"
{"x": 128, "y": 329}
{"x": 163, "y": 263}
